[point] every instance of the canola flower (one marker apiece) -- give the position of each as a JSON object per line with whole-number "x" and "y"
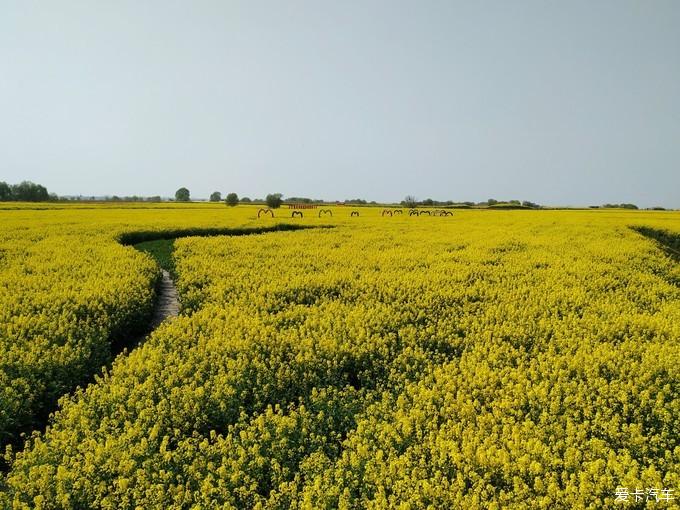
{"x": 485, "y": 360}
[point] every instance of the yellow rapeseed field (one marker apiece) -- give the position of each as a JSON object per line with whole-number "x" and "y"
{"x": 488, "y": 359}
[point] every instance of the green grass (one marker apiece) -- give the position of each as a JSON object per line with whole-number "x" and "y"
{"x": 160, "y": 250}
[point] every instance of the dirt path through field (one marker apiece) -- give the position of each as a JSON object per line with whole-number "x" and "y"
{"x": 167, "y": 304}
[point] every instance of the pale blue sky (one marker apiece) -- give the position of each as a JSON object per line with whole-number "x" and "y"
{"x": 569, "y": 103}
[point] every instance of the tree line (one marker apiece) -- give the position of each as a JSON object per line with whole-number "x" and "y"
{"x": 412, "y": 202}
{"x": 25, "y": 191}
{"x": 28, "y": 191}
{"x": 273, "y": 200}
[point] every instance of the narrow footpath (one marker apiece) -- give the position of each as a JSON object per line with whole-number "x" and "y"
{"x": 167, "y": 304}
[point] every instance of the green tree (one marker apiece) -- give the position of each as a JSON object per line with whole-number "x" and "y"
{"x": 5, "y": 191}
{"x": 232, "y": 199}
{"x": 216, "y": 196}
{"x": 410, "y": 201}
{"x": 246, "y": 200}
{"x": 274, "y": 200}
{"x": 182, "y": 195}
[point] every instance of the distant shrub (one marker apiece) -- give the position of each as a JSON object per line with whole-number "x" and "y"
{"x": 182, "y": 195}
{"x": 620, "y": 206}
{"x": 232, "y": 199}
{"x": 274, "y": 200}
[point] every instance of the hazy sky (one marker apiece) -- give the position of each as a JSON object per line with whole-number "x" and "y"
{"x": 556, "y": 102}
